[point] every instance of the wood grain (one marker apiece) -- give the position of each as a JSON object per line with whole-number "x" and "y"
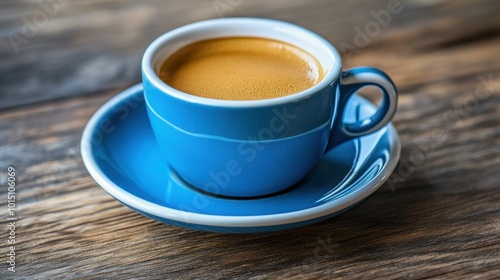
{"x": 437, "y": 216}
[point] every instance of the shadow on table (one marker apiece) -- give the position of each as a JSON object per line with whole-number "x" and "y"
{"x": 382, "y": 225}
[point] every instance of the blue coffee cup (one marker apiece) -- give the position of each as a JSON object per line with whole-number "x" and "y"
{"x": 257, "y": 147}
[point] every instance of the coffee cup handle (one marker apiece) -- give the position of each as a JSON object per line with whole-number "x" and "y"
{"x": 353, "y": 80}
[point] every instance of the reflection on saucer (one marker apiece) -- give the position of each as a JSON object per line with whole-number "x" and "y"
{"x": 127, "y": 163}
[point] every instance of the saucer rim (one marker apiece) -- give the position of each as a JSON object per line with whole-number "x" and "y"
{"x": 165, "y": 212}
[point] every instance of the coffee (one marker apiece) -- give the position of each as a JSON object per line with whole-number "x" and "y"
{"x": 241, "y": 68}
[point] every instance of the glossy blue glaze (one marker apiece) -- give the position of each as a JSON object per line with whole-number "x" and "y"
{"x": 353, "y": 80}
{"x": 246, "y": 148}
{"x": 235, "y": 167}
{"x": 121, "y": 153}
{"x": 244, "y": 123}
{"x": 249, "y": 151}
{"x": 244, "y": 151}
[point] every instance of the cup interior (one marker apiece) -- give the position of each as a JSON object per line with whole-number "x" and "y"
{"x": 167, "y": 44}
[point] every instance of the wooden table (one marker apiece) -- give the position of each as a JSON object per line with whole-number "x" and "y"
{"x": 437, "y": 216}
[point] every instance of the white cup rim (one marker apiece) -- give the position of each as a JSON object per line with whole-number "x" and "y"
{"x": 249, "y": 25}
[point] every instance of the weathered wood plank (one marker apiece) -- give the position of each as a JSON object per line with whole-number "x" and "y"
{"x": 437, "y": 216}
{"x": 76, "y": 229}
{"x": 85, "y": 46}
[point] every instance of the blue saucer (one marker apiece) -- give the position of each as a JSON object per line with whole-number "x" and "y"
{"x": 120, "y": 152}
